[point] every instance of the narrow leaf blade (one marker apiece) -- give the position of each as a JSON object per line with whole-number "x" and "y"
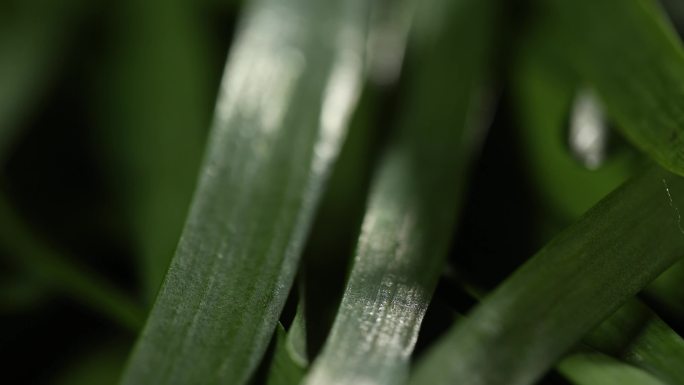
{"x": 573, "y": 283}
{"x": 291, "y": 82}
{"x": 414, "y": 200}
{"x": 632, "y": 56}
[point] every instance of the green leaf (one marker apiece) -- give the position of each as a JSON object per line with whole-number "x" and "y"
{"x": 631, "y": 55}
{"x": 598, "y": 369}
{"x": 414, "y": 199}
{"x": 566, "y": 289}
{"x": 638, "y": 336}
{"x": 327, "y": 256}
{"x": 291, "y": 81}
{"x": 543, "y": 94}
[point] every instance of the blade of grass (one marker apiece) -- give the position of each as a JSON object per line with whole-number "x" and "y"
{"x": 667, "y": 292}
{"x": 638, "y": 336}
{"x": 543, "y": 95}
{"x": 634, "y": 334}
{"x": 543, "y": 92}
{"x": 629, "y": 53}
{"x": 414, "y": 199}
{"x": 329, "y": 249}
{"x": 595, "y": 368}
{"x": 326, "y": 257}
{"x": 291, "y": 81}
{"x": 577, "y": 280}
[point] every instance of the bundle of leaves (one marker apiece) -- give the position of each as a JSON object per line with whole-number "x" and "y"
{"x": 383, "y": 192}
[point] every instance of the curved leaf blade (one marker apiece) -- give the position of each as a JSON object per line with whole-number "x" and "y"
{"x": 566, "y": 289}
{"x": 414, "y": 201}
{"x": 632, "y": 56}
{"x": 638, "y": 336}
{"x": 291, "y": 83}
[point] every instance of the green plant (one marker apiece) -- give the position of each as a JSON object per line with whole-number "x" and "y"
{"x": 420, "y": 192}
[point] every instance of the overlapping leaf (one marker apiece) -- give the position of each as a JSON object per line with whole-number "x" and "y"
{"x": 573, "y": 283}
{"x": 414, "y": 198}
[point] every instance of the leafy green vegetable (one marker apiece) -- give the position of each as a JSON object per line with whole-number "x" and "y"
{"x": 414, "y": 200}
{"x": 291, "y": 82}
{"x": 328, "y": 251}
{"x": 573, "y": 283}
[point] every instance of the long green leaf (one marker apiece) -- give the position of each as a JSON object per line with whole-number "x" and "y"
{"x": 292, "y": 79}
{"x": 328, "y": 251}
{"x": 638, "y": 336}
{"x": 414, "y": 200}
{"x": 573, "y": 283}
{"x": 631, "y": 55}
{"x": 594, "y": 369}
{"x": 543, "y": 94}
